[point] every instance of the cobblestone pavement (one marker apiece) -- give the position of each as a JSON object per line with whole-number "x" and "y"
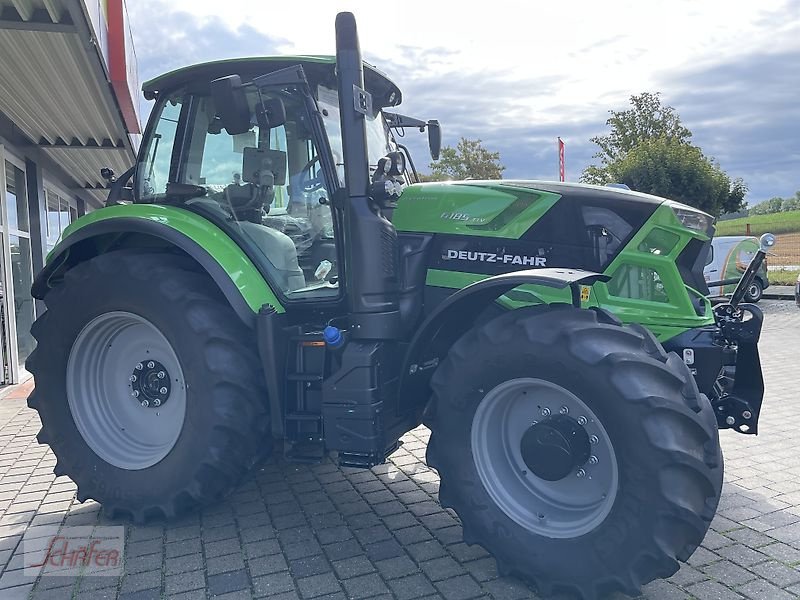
{"x": 324, "y": 532}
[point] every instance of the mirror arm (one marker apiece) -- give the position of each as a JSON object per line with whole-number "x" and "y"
{"x": 397, "y": 120}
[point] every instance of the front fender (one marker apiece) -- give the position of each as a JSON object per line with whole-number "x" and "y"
{"x": 457, "y": 314}
{"x": 225, "y": 262}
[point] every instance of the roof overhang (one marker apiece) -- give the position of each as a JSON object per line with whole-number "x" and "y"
{"x": 55, "y": 88}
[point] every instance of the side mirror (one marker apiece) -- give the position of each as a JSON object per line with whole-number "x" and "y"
{"x": 434, "y": 138}
{"x": 230, "y": 101}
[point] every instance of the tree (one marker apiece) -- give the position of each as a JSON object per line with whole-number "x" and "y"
{"x": 679, "y": 171}
{"x": 647, "y": 119}
{"x": 776, "y": 205}
{"x": 468, "y": 160}
{"x": 649, "y": 150}
{"x": 791, "y": 203}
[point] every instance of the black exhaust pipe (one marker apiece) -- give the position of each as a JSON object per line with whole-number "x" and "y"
{"x": 370, "y": 240}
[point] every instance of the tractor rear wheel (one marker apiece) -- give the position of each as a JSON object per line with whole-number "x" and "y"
{"x": 575, "y": 450}
{"x": 148, "y": 385}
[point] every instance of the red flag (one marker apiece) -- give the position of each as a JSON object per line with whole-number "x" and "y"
{"x": 561, "y": 160}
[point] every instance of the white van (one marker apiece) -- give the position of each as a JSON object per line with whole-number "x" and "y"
{"x": 728, "y": 260}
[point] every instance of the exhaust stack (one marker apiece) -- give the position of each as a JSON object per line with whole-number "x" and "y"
{"x": 370, "y": 240}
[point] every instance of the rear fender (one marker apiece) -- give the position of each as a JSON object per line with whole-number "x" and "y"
{"x": 167, "y": 227}
{"x": 457, "y": 314}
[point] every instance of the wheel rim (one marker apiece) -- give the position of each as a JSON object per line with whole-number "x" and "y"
{"x": 566, "y": 508}
{"x": 126, "y": 390}
{"x": 754, "y": 291}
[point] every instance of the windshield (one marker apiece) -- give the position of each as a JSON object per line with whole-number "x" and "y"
{"x": 379, "y": 144}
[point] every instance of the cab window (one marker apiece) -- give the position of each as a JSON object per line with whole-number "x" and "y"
{"x": 267, "y": 183}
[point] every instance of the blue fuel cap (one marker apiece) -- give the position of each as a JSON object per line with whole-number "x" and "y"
{"x": 332, "y": 336}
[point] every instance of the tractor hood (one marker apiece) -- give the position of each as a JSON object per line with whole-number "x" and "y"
{"x": 505, "y": 208}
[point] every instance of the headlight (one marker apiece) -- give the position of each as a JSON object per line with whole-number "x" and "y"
{"x": 693, "y": 218}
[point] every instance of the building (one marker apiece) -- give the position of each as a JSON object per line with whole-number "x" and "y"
{"x": 68, "y": 108}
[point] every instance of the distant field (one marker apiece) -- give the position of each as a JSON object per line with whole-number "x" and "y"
{"x": 785, "y": 226}
{"x": 787, "y": 222}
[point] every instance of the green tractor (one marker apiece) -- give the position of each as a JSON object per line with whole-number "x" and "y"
{"x": 269, "y": 279}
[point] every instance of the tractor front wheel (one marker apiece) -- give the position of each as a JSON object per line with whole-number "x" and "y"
{"x": 575, "y": 450}
{"x": 148, "y": 385}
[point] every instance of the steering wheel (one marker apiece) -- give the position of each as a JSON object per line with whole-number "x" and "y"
{"x": 308, "y": 183}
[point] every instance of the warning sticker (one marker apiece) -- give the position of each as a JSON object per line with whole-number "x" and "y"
{"x": 585, "y": 289}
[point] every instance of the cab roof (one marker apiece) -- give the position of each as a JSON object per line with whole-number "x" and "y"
{"x": 318, "y": 69}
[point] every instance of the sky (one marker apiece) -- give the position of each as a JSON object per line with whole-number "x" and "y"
{"x": 522, "y": 73}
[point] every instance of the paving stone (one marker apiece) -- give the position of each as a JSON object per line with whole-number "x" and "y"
{"x": 224, "y": 564}
{"x": 459, "y": 588}
{"x": 264, "y": 565}
{"x": 228, "y": 582}
{"x": 728, "y": 572}
{"x": 365, "y": 586}
{"x": 712, "y": 590}
{"x": 181, "y": 564}
{"x": 310, "y": 565}
{"x": 412, "y": 586}
{"x": 317, "y": 585}
{"x": 777, "y": 573}
{"x": 184, "y": 582}
{"x": 276, "y": 583}
{"x": 742, "y": 555}
{"x": 398, "y": 566}
{"x": 764, "y": 590}
{"x": 342, "y": 550}
{"x": 141, "y": 581}
{"x": 352, "y": 567}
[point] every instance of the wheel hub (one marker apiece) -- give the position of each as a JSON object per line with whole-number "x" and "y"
{"x": 555, "y": 447}
{"x": 544, "y": 457}
{"x": 150, "y": 383}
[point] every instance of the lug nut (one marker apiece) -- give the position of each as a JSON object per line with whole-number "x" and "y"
{"x": 151, "y": 364}
{"x": 564, "y": 410}
{"x": 545, "y": 412}
{"x": 581, "y": 473}
{"x": 139, "y": 367}
{"x": 156, "y": 402}
{"x": 582, "y": 420}
{"x": 592, "y": 460}
{"x": 145, "y": 403}
{"x": 163, "y": 390}
{"x": 135, "y": 393}
{"x": 594, "y": 439}
{"x": 161, "y": 374}
{"x": 730, "y": 420}
{"x": 132, "y": 378}
{"x": 747, "y": 414}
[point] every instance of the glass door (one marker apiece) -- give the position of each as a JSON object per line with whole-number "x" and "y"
{"x": 18, "y": 307}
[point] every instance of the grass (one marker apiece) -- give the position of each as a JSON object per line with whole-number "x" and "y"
{"x": 785, "y": 226}
{"x": 783, "y": 277}
{"x": 786, "y": 222}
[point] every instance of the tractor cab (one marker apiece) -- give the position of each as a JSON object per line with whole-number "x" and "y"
{"x": 255, "y": 146}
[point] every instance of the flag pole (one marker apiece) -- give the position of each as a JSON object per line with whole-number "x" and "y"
{"x": 561, "y": 165}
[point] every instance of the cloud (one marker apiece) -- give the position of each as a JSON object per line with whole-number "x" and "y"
{"x": 733, "y": 86}
{"x": 166, "y": 39}
{"x": 746, "y": 114}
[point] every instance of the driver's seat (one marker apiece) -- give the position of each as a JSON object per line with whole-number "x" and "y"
{"x": 280, "y": 251}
